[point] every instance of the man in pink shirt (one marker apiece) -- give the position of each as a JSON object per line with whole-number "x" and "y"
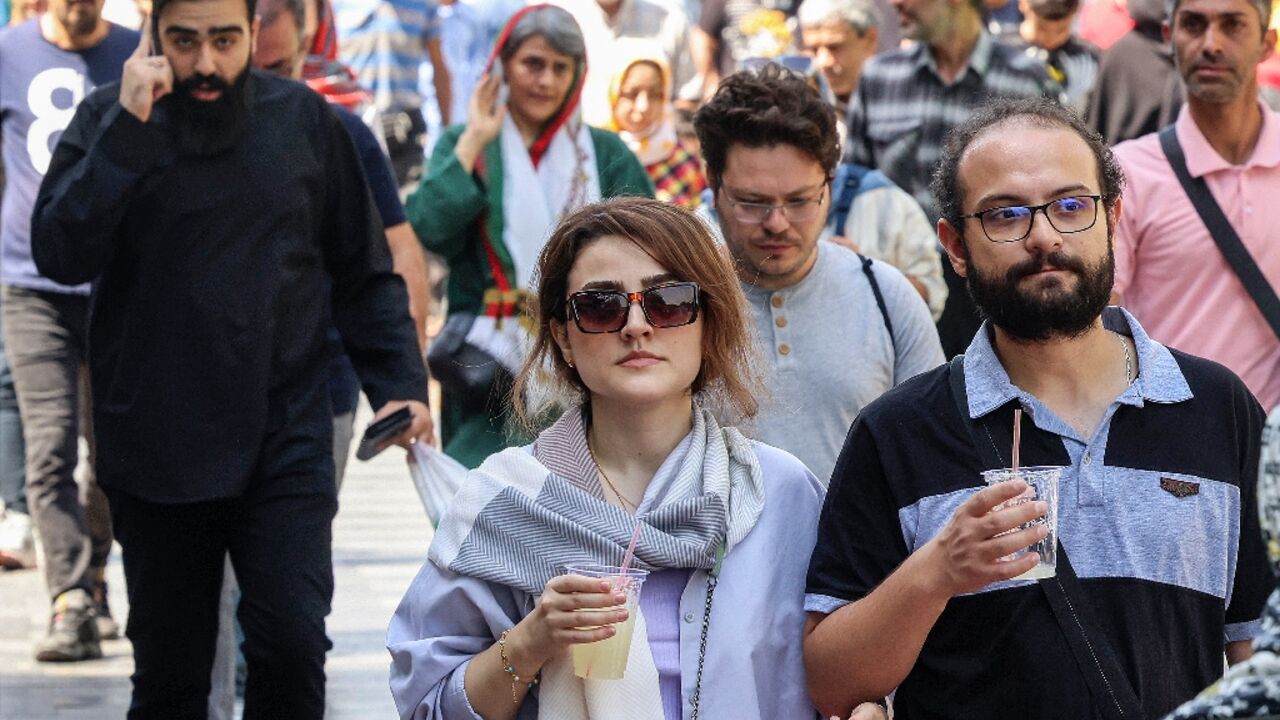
{"x": 1169, "y": 272}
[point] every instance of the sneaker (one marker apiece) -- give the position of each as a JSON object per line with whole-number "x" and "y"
{"x": 17, "y": 543}
{"x": 108, "y": 628}
{"x": 73, "y": 634}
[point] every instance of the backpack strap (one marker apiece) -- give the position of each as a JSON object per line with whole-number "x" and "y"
{"x": 845, "y": 187}
{"x": 884, "y": 309}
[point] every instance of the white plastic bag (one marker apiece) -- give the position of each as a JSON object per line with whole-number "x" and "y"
{"x": 437, "y": 478}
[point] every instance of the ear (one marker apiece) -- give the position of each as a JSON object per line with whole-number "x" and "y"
{"x": 253, "y": 34}
{"x": 954, "y": 245}
{"x": 1116, "y": 208}
{"x": 1166, "y": 31}
{"x": 1269, "y": 42}
{"x": 560, "y": 334}
{"x": 873, "y": 36}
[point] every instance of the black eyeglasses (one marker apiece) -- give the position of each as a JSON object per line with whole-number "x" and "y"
{"x": 1013, "y": 223}
{"x": 664, "y": 306}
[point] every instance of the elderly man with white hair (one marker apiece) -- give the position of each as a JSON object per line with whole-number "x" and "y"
{"x": 840, "y": 35}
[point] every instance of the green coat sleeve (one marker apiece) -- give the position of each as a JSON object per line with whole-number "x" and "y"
{"x": 444, "y": 208}
{"x": 620, "y": 172}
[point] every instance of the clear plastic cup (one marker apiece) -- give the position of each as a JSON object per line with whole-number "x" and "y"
{"x": 607, "y": 659}
{"x": 1042, "y": 484}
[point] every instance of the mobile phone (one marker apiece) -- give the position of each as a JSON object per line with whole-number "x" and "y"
{"x": 378, "y": 433}
{"x": 503, "y": 91}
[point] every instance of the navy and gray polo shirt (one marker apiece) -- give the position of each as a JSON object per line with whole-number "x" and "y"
{"x": 1157, "y": 512}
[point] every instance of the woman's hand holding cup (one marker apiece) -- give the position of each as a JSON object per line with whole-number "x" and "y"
{"x": 573, "y": 610}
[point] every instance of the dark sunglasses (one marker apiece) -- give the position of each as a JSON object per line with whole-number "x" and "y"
{"x": 664, "y": 306}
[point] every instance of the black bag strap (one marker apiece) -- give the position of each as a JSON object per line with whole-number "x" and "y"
{"x": 1112, "y": 694}
{"x": 884, "y": 309}
{"x": 1225, "y": 236}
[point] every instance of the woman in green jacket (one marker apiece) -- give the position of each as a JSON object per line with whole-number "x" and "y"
{"x": 495, "y": 189}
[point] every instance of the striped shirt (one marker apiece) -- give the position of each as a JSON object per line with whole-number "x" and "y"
{"x": 1157, "y": 511}
{"x": 384, "y": 42}
{"x": 903, "y": 110}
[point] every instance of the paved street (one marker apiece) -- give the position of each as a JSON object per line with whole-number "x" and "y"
{"x": 380, "y": 539}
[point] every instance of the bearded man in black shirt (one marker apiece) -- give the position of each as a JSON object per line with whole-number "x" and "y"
{"x": 214, "y": 207}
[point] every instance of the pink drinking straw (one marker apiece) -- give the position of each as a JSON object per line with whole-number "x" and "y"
{"x": 1017, "y": 437}
{"x": 631, "y": 548}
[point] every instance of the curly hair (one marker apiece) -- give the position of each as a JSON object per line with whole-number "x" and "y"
{"x": 1038, "y": 112}
{"x": 772, "y": 106}
{"x": 679, "y": 242}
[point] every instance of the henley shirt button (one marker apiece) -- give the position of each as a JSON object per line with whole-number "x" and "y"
{"x": 688, "y": 617}
{"x": 784, "y": 349}
{"x": 776, "y": 301}
{"x": 1087, "y": 458}
{"x": 780, "y": 322}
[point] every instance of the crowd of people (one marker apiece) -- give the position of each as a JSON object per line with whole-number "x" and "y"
{"x": 750, "y": 291}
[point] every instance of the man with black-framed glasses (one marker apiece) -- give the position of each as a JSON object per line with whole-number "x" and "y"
{"x": 917, "y": 585}
{"x": 837, "y": 330}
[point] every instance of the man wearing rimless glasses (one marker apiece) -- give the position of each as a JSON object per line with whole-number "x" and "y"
{"x": 837, "y": 333}
{"x": 918, "y": 583}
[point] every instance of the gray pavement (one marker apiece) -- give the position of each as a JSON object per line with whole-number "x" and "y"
{"x": 380, "y": 539}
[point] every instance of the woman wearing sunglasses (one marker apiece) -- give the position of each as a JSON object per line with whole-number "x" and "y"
{"x": 643, "y": 327}
{"x": 494, "y": 189}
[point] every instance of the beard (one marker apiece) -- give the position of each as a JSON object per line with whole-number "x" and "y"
{"x": 1044, "y": 312}
{"x": 79, "y": 18}
{"x": 204, "y": 128}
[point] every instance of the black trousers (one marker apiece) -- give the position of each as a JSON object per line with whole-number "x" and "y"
{"x": 278, "y": 536}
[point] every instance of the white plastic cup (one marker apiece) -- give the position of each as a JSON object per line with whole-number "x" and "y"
{"x": 1042, "y": 484}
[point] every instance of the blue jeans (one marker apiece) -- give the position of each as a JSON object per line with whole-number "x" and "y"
{"x": 13, "y": 452}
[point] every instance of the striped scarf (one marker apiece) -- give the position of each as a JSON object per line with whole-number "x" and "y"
{"x": 519, "y": 519}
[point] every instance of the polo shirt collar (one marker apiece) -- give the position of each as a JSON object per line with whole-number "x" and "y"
{"x": 1159, "y": 380}
{"x": 1202, "y": 159}
{"x": 979, "y": 59}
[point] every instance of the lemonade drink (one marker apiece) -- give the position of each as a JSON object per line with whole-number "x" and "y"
{"x": 607, "y": 659}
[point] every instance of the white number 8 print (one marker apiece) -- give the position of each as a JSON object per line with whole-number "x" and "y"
{"x": 50, "y": 118}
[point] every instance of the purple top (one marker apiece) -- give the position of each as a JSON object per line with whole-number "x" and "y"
{"x": 660, "y": 602}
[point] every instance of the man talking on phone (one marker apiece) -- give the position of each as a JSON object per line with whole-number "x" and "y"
{"x": 213, "y": 205}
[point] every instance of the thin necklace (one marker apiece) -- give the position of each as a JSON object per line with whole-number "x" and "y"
{"x": 1128, "y": 360}
{"x": 621, "y": 498}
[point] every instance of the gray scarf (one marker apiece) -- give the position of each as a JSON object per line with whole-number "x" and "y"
{"x": 519, "y": 519}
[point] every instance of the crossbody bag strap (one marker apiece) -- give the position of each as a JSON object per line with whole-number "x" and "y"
{"x": 1112, "y": 693}
{"x": 713, "y": 579}
{"x": 1225, "y": 236}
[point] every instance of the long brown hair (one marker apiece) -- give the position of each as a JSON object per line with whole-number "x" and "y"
{"x": 680, "y": 243}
